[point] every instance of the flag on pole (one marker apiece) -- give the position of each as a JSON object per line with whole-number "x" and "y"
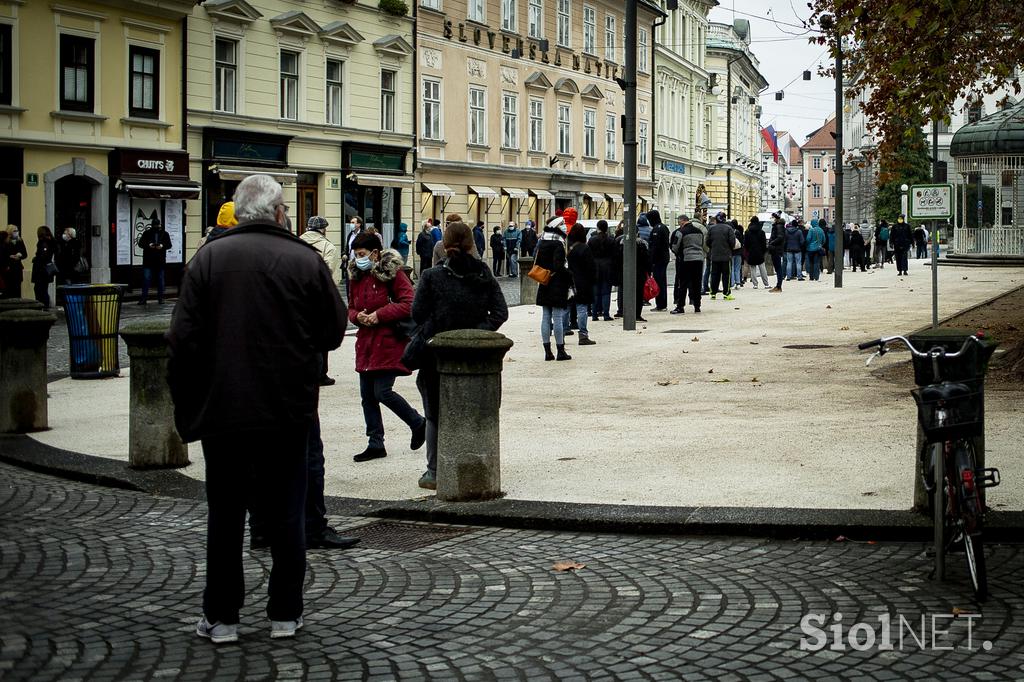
{"x": 784, "y": 146}
{"x": 771, "y": 140}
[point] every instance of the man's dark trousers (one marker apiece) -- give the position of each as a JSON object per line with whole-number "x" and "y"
{"x": 902, "y": 259}
{"x": 264, "y": 472}
{"x": 316, "y": 508}
{"x": 721, "y": 271}
{"x": 661, "y": 277}
{"x": 679, "y": 286}
{"x": 692, "y": 270}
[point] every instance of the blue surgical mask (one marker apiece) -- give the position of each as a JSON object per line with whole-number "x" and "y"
{"x": 364, "y": 263}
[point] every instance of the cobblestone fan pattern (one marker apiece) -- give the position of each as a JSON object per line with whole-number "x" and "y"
{"x": 104, "y": 584}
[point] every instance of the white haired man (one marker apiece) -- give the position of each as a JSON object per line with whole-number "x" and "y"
{"x": 257, "y": 308}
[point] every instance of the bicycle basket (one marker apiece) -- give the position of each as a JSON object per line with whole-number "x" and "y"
{"x": 951, "y": 410}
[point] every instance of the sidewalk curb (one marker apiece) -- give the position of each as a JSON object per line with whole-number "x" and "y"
{"x": 766, "y": 522}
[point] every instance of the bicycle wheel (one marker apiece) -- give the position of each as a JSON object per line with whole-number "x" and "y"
{"x": 971, "y": 517}
{"x": 974, "y": 549}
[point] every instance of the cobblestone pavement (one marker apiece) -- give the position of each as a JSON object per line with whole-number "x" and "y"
{"x": 104, "y": 584}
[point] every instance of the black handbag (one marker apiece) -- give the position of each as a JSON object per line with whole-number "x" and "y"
{"x": 416, "y": 351}
{"x": 404, "y": 329}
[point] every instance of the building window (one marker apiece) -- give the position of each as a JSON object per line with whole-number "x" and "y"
{"x": 589, "y": 30}
{"x": 590, "y": 132}
{"x": 564, "y": 22}
{"x": 564, "y": 129}
{"x": 387, "y": 100}
{"x": 609, "y": 137}
{"x": 816, "y": 191}
{"x": 536, "y": 125}
{"x": 535, "y": 18}
{"x": 76, "y": 69}
{"x": 476, "y": 10}
{"x": 641, "y": 46}
{"x": 431, "y": 4}
{"x": 334, "y": 92}
{"x": 825, "y": 214}
{"x": 508, "y": 15}
{"x": 224, "y": 77}
{"x": 431, "y": 109}
{"x": 816, "y": 162}
{"x": 642, "y": 144}
{"x": 6, "y": 63}
{"x": 143, "y": 82}
{"x": 477, "y": 116}
{"x": 289, "y": 85}
{"x": 510, "y": 120}
{"x": 832, "y": 191}
{"x": 609, "y": 37}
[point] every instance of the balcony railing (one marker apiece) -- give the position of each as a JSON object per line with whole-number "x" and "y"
{"x": 989, "y": 241}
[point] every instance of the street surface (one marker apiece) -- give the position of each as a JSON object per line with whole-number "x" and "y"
{"x": 98, "y": 583}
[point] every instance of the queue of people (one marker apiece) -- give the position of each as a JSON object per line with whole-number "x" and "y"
{"x": 54, "y": 260}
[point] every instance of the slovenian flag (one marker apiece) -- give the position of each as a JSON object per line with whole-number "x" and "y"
{"x": 771, "y": 140}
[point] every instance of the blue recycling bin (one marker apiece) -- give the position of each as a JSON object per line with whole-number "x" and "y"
{"x": 93, "y": 313}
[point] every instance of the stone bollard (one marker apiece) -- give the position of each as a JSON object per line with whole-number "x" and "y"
{"x": 153, "y": 441}
{"x": 468, "y": 434}
{"x": 23, "y": 337}
{"x": 19, "y": 304}
{"x": 527, "y": 286}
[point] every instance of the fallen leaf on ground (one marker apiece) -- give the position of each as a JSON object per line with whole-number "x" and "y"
{"x": 562, "y": 566}
{"x": 964, "y": 278}
{"x": 695, "y": 339}
{"x": 668, "y": 382}
{"x": 828, "y": 307}
{"x": 719, "y": 381}
{"x": 844, "y": 329}
{"x": 764, "y": 336}
{"x": 754, "y": 380}
{"x": 869, "y": 493}
{"x": 566, "y": 459}
{"x": 711, "y": 371}
{"x": 753, "y": 343}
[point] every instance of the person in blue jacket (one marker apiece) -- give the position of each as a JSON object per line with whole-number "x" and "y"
{"x": 815, "y": 244}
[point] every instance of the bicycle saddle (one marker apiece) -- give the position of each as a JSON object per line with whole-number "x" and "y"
{"x": 947, "y": 390}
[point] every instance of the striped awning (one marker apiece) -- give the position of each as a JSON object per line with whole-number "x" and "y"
{"x": 515, "y": 193}
{"x": 438, "y": 190}
{"x": 615, "y": 198}
{"x": 483, "y": 192}
{"x": 542, "y": 194}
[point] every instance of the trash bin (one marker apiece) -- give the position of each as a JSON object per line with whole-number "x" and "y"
{"x": 93, "y": 313}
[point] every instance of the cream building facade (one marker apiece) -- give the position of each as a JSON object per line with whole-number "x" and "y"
{"x": 734, "y": 120}
{"x": 682, "y": 159}
{"x": 90, "y": 113}
{"x": 509, "y": 130}
{"x": 317, "y": 93}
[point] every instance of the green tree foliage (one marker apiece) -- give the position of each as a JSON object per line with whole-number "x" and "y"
{"x": 908, "y": 162}
{"x": 916, "y": 57}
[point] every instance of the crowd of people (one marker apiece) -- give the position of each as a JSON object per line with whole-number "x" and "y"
{"x": 59, "y": 260}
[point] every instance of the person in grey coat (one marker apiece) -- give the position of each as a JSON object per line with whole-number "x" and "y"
{"x": 720, "y": 241}
{"x": 688, "y": 243}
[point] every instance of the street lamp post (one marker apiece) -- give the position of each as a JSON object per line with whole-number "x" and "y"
{"x": 904, "y": 188}
{"x": 628, "y": 84}
{"x": 837, "y": 164}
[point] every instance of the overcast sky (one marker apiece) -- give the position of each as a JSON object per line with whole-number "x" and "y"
{"x": 780, "y": 44}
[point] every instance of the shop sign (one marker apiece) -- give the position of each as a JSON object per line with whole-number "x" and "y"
{"x": 150, "y": 162}
{"x": 265, "y": 152}
{"x": 380, "y": 161}
{"x": 674, "y": 167}
{"x": 32, "y": 179}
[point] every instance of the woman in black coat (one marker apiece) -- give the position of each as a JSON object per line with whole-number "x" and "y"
{"x": 602, "y": 248}
{"x": 13, "y": 254}
{"x": 497, "y": 251}
{"x": 857, "y": 250}
{"x": 755, "y": 244}
{"x": 41, "y": 275}
{"x": 69, "y": 251}
{"x": 584, "y": 274}
{"x": 553, "y": 297}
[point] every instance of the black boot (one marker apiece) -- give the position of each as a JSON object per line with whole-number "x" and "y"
{"x": 370, "y": 453}
{"x": 548, "y": 355}
{"x": 585, "y": 340}
{"x": 562, "y": 355}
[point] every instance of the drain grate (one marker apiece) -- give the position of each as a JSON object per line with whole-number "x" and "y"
{"x": 808, "y": 346}
{"x": 685, "y": 331}
{"x": 403, "y": 537}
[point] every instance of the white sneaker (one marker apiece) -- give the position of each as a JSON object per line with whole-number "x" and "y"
{"x": 279, "y": 629}
{"x": 218, "y": 633}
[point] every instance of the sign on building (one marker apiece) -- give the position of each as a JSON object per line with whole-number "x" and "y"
{"x": 931, "y": 201}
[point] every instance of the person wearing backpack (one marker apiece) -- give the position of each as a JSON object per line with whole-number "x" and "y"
{"x": 881, "y": 244}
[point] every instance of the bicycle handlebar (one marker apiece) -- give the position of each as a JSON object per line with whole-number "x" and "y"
{"x": 881, "y": 343}
{"x": 869, "y": 344}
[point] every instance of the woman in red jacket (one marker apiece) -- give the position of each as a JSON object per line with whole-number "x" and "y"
{"x": 379, "y": 297}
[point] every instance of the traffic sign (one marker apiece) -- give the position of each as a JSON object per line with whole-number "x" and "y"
{"x": 931, "y": 201}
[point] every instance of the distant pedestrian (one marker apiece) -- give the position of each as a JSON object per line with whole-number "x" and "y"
{"x": 400, "y": 242}
{"x": 901, "y": 239}
{"x": 424, "y": 246}
{"x": 857, "y": 250}
{"x": 497, "y": 251}
{"x": 512, "y": 237}
{"x": 459, "y": 294}
{"x": 602, "y": 247}
{"x": 706, "y": 279}
{"x": 155, "y": 242}
{"x": 436, "y": 233}
{"x": 257, "y": 309}
{"x": 553, "y": 297}
{"x": 829, "y": 246}
{"x": 921, "y": 241}
{"x": 756, "y": 245}
{"x": 720, "y": 241}
{"x": 71, "y": 266}
{"x": 794, "y": 244}
{"x": 13, "y": 254}
{"x": 528, "y": 239}
{"x": 617, "y": 264}
{"x": 479, "y": 238}
{"x": 660, "y": 255}
{"x": 690, "y": 248}
{"x": 584, "y": 273}
{"x": 439, "y": 254}
{"x": 737, "y": 254}
{"x": 777, "y": 250}
{"x": 225, "y": 221}
{"x": 815, "y": 246}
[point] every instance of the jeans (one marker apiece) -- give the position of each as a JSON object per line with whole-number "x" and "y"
{"x": 794, "y": 268}
{"x": 147, "y": 277}
{"x": 376, "y": 388}
{"x": 737, "y": 267}
{"x": 512, "y": 263}
{"x": 780, "y": 273}
{"x": 814, "y": 264}
{"x": 690, "y": 282}
{"x": 720, "y": 271}
{"x": 661, "y": 277}
{"x": 581, "y": 318}
{"x": 496, "y": 263}
{"x": 879, "y": 254}
{"x": 264, "y": 472}
{"x": 902, "y": 259}
{"x": 922, "y": 251}
{"x": 553, "y": 317}
{"x": 428, "y": 381}
{"x": 759, "y": 269}
{"x": 602, "y": 299}
{"x": 706, "y": 284}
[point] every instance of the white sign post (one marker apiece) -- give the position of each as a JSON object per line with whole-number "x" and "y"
{"x": 933, "y": 202}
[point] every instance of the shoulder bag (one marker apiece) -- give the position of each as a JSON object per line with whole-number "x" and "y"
{"x": 540, "y": 275}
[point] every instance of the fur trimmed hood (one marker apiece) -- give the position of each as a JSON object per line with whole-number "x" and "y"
{"x": 385, "y": 269}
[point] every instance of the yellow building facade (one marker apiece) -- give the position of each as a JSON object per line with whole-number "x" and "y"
{"x": 90, "y": 112}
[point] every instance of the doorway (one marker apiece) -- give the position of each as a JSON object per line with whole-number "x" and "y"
{"x": 307, "y": 198}
{"x": 73, "y": 208}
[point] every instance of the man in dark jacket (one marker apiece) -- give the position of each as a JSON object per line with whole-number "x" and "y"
{"x": 720, "y": 240}
{"x": 794, "y": 245}
{"x": 257, "y": 308}
{"x": 659, "y": 248}
{"x": 425, "y": 246}
{"x": 602, "y": 247}
{"x": 756, "y": 245}
{"x": 479, "y": 238}
{"x": 528, "y": 240}
{"x": 902, "y": 239}
{"x": 777, "y": 249}
{"x": 688, "y": 243}
{"x": 154, "y": 243}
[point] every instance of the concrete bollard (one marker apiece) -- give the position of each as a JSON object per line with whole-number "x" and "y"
{"x": 468, "y": 431}
{"x": 19, "y": 304}
{"x": 23, "y": 337}
{"x": 527, "y": 286}
{"x": 153, "y": 441}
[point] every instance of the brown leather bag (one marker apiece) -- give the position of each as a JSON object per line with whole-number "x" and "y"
{"x": 539, "y": 275}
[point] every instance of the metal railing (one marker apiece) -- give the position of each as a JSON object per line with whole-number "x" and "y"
{"x": 989, "y": 241}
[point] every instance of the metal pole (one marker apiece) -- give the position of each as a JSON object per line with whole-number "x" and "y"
{"x": 629, "y": 272}
{"x": 728, "y": 139}
{"x": 935, "y": 226}
{"x": 837, "y": 219}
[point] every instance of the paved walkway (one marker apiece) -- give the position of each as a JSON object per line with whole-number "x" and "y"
{"x": 104, "y": 584}
{"x": 713, "y": 409}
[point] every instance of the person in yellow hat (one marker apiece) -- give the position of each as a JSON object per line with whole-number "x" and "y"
{"x": 225, "y": 221}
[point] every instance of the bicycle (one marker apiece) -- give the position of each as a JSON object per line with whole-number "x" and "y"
{"x": 951, "y": 415}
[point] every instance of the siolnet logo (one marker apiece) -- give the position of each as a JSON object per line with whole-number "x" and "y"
{"x": 923, "y": 633}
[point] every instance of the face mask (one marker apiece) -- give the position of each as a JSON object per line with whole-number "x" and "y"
{"x": 67, "y": 237}
{"x": 15, "y": 235}
{"x": 364, "y": 263}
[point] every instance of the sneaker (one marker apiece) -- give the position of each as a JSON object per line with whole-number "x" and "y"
{"x": 370, "y": 453}
{"x": 279, "y": 629}
{"x": 728, "y": 297}
{"x": 419, "y": 436}
{"x": 569, "y": 332}
{"x": 218, "y": 633}
{"x": 677, "y": 311}
{"x": 428, "y": 480}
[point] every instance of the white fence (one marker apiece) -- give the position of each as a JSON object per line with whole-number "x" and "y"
{"x": 989, "y": 241}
